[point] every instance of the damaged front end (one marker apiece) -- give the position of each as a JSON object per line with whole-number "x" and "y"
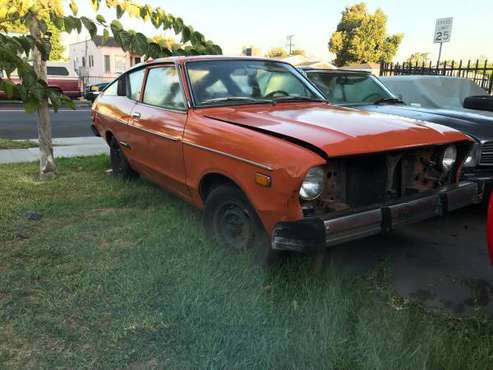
{"x": 368, "y": 194}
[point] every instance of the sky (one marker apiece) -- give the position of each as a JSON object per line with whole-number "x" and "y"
{"x": 266, "y": 23}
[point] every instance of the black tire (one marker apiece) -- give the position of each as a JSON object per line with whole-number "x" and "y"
{"x": 119, "y": 163}
{"x": 233, "y": 222}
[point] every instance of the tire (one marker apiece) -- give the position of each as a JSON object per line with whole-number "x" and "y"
{"x": 119, "y": 163}
{"x": 232, "y": 222}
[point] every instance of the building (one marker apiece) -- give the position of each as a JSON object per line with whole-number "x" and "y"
{"x": 251, "y": 51}
{"x": 96, "y": 61}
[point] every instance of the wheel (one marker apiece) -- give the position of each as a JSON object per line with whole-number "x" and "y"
{"x": 232, "y": 222}
{"x": 119, "y": 163}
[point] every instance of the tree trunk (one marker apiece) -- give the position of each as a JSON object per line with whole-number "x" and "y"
{"x": 47, "y": 167}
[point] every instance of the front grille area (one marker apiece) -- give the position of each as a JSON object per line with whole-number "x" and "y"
{"x": 359, "y": 182}
{"x": 487, "y": 154}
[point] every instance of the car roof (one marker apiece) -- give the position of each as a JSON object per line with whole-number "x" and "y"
{"x": 336, "y": 71}
{"x": 185, "y": 59}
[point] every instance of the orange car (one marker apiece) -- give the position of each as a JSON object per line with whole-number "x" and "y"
{"x": 253, "y": 142}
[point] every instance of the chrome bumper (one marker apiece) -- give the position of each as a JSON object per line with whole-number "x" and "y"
{"x": 316, "y": 233}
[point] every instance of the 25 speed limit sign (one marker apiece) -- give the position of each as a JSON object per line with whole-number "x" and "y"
{"x": 443, "y": 30}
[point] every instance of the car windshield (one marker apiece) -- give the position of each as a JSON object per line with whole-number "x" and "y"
{"x": 350, "y": 88}
{"x": 247, "y": 82}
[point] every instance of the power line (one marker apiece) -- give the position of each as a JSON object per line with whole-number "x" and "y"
{"x": 290, "y": 44}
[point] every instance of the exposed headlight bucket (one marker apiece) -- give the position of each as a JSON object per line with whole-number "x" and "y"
{"x": 313, "y": 184}
{"x": 449, "y": 157}
{"x": 472, "y": 159}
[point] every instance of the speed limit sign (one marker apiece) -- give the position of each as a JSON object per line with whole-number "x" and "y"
{"x": 443, "y": 30}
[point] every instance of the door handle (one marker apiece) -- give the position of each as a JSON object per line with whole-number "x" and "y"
{"x": 136, "y": 115}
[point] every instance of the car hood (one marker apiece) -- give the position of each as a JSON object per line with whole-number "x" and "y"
{"x": 337, "y": 131}
{"x": 478, "y": 126}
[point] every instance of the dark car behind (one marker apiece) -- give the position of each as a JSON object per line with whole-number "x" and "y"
{"x": 91, "y": 92}
{"x": 361, "y": 90}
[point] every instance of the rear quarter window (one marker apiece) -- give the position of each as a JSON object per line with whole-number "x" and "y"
{"x": 57, "y": 71}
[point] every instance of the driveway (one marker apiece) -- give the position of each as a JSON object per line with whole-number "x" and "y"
{"x": 442, "y": 262}
{"x": 16, "y": 124}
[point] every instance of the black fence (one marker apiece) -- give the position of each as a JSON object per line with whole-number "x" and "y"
{"x": 479, "y": 72}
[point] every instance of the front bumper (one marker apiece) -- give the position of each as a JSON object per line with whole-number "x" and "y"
{"x": 316, "y": 233}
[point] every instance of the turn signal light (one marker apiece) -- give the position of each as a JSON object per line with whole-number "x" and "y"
{"x": 263, "y": 180}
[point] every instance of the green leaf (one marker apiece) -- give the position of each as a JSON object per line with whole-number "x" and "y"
{"x": 9, "y": 87}
{"x": 31, "y": 105}
{"x": 155, "y": 20}
{"x": 42, "y": 26}
{"x": 106, "y": 35}
{"x": 74, "y": 7}
{"x": 154, "y": 50}
{"x": 119, "y": 11}
{"x": 141, "y": 44}
{"x": 178, "y": 25}
{"x": 95, "y": 5}
{"x": 100, "y": 19}
{"x": 116, "y": 26}
{"x": 90, "y": 26}
{"x": 185, "y": 34}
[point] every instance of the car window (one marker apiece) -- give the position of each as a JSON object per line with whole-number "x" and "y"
{"x": 112, "y": 89}
{"x": 247, "y": 80}
{"x": 57, "y": 71}
{"x": 135, "y": 84}
{"x": 349, "y": 89}
{"x": 163, "y": 88}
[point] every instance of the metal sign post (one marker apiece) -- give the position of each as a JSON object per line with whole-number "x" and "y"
{"x": 443, "y": 31}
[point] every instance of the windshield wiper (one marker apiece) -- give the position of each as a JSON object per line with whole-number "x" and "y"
{"x": 296, "y": 98}
{"x": 388, "y": 101}
{"x": 235, "y": 99}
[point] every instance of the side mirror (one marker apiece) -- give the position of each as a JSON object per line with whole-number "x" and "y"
{"x": 479, "y": 102}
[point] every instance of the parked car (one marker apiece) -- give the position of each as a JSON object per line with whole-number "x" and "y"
{"x": 61, "y": 77}
{"x": 255, "y": 144}
{"x": 91, "y": 92}
{"x": 440, "y": 92}
{"x": 363, "y": 91}
{"x": 489, "y": 229}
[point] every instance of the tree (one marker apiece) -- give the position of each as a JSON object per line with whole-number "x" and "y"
{"x": 57, "y": 47}
{"x": 361, "y": 37}
{"x": 168, "y": 42}
{"x": 418, "y": 58}
{"x": 298, "y": 52}
{"x": 35, "y": 16}
{"x": 278, "y": 53}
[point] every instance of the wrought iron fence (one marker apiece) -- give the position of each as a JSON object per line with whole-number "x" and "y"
{"x": 479, "y": 72}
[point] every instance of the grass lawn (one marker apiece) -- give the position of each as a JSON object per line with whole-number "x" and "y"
{"x": 120, "y": 275}
{"x": 16, "y": 144}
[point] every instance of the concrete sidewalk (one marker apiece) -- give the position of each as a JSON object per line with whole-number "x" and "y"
{"x": 64, "y": 147}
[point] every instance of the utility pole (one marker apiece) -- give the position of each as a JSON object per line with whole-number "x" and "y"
{"x": 290, "y": 44}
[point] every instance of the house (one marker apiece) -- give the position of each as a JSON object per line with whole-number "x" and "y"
{"x": 374, "y": 68}
{"x": 251, "y": 51}
{"x": 96, "y": 61}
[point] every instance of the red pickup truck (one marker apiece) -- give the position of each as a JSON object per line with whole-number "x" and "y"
{"x": 61, "y": 77}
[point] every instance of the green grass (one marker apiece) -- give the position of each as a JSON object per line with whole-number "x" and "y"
{"x": 16, "y": 144}
{"x": 120, "y": 275}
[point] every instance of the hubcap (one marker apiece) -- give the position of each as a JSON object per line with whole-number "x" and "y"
{"x": 235, "y": 226}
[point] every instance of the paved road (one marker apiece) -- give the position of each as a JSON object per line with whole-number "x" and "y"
{"x": 442, "y": 262}
{"x": 16, "y": 124}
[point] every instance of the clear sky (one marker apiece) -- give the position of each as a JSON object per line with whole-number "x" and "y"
{"x": 266, "y": 23}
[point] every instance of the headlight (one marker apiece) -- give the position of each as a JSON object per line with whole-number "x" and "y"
{"x": 473, "y": 157}
{"x": 313, "y": 184}
{"x": 449, "y": 157}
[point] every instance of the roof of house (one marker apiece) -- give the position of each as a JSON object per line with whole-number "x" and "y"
{"x": 98, "y": 40}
